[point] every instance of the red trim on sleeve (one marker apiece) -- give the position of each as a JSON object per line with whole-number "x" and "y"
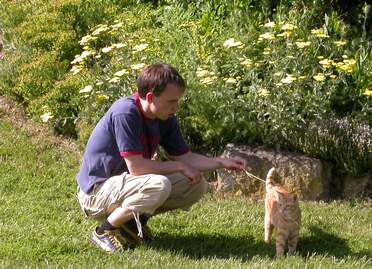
{"x": 130, "y": 153}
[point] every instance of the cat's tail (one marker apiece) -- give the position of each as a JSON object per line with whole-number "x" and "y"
{"x": 269, "y": 178}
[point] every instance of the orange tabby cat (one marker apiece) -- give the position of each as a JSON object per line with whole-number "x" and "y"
{"x": 282, "y": 212}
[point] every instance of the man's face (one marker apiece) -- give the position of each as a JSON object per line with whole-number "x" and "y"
{"x": 166, "y": 104}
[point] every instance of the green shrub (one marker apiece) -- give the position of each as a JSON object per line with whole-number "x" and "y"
{"x": 42, "y": 39}
{"x": 344, "y": 140}
{"x": 268, "y": 84}
{"x": 256, "y": 73}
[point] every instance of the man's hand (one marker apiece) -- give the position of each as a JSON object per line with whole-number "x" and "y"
{"x": 191, "y": 173}
{"x": 234, "y": 163}
{"x": 193, "y": 164}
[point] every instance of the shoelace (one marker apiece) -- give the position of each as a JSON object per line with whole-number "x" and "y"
{"x": 114, "y": 240}
{"x": 138, "y": 222}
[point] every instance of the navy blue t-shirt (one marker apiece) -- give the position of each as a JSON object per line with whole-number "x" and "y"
{"x": 124, "y": 131}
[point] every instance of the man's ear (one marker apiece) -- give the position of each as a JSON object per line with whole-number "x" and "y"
{"x": 149, "y": 96}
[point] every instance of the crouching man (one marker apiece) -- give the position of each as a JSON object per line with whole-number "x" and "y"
{"x": 119, "y": 184}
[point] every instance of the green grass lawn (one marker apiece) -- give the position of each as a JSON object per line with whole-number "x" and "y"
{"x": 41, "y": 224}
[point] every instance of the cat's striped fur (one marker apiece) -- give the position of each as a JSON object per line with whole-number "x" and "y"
{"x": 282, "y": 211}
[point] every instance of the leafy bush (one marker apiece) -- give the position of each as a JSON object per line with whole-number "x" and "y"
{"x": 256, "y": 73}
{"x": 268, "y": 85}
{"x": 341, "y": 139}
{"x": 43, "y": 38}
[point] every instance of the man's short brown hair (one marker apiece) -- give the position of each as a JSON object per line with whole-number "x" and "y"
{"x": 155, "y": 77}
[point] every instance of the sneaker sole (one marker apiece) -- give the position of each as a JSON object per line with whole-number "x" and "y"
{"x": 100, "y": 247}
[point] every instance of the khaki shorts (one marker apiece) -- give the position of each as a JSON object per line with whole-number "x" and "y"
{"x": 147, "y": 194}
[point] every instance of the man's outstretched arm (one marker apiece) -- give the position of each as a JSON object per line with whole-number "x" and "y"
{"x": 204, "y": 163}
{"x": 189, "y": 164}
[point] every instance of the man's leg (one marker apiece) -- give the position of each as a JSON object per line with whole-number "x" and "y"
{"x": 120, "y": 198}
{"x": 183, "y": 194}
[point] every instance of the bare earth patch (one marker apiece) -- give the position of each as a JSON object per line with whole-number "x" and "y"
{"x": 10, "y": 111}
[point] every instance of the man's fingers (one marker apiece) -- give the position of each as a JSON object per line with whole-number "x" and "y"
{"x": 237, "y": 163}
{"x": 240, "y": 162}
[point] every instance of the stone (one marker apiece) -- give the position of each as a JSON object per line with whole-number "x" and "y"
{"x": 309, "y": 177}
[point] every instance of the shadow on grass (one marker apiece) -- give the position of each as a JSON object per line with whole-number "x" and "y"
{"x": 220, "y": 246}
{"x": 323, "y": 243}
{"x": 200, "y": 246}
